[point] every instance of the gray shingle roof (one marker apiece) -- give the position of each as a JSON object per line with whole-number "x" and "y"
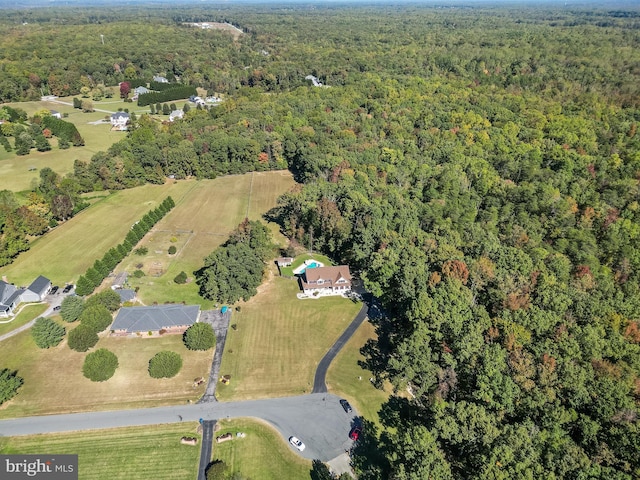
{"x": 40, "y": 285}
{"x": 126, "y": 294}
{"x": 154, "y": 318}
{"x": 6, "y": 290}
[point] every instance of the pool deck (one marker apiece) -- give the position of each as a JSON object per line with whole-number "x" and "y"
{"x": 310, "y": 263}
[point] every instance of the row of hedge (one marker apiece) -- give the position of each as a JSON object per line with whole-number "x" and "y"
{"x": 176, "y": 93}
{"x": 62, "y": 129}
{"x": 94, "y": 275}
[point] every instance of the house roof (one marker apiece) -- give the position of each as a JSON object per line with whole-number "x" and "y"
{"x": 141, "y": 89}
{"x": 120, "y": 115}
{"x": 6, "y": 290}
{"x": 14, "y": 297}
{"x": 154, "y": 318}
{"x": 283, "y": 260}
{"x": 126, "y": 294}
{"x": 176, "y": 114}
{"x": 40, "y": 285}
{"x": 120, "y": 279}
{"x": 332, "y": 274}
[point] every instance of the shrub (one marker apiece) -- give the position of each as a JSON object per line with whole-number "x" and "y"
{"x": 165, "y": 364}
{"x": 216, "y": 470}
{"x": 96, "y": 317}
{"x": 138, "y": 273}
{"x": 9, "y": 384}
{"x": 108, "y": 298}
{"x": 47, "y": 333}
{"x": 82, "y": 338}
{"x": 71, "y": 308}
{"x": 199, "y": 336}
{"x": 181, "y": 278}
{"x": 100, "y": 365}
{"x": 172, "y": 250}
{"x": 141, "y": 251}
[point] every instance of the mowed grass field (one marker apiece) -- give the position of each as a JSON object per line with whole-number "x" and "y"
{"x": 53, "y": 380}
{"x": 206, "y": 212}
{"x": 347, "y": 378}
{"x": 27, "y": 313}
{"x": 280, "y": 340}
{"x": 152, "y": 451}
{"x": 262, "y": 454}
{"x": 201, "y": 221}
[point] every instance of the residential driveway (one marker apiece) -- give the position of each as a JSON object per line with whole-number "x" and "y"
{"x": 220, "y": 323}
{"x": 319, "y": 385}
{"x": 205, "y": 448}
{"x": 316, "y": 419}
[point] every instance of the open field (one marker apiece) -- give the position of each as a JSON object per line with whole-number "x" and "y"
{"x": 201, "y": 221}
{"x": 152, "y": 451}
{"x": 53, "y": 380}
{"x": 280, "y": 340}
{"x": 262, "y": 454}
{"x": 27, "y": 313}
{"x": 348, "y": 379}
{"x": 63, "y": 254}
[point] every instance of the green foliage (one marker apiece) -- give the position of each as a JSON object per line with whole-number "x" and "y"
{"x": 108, "y": 298}
{"x": 71, "y": 308}
{"x": 172, "y": 250}
{"x": 10, "y": 382}
{"x": 141, "y": 251}
{"x": 181, "y": 278}
{"x": 319, "y": 471}
{"x": 63, "y": 129}
{"x": 47, "y": 333}
{"x": 234, "y": 270}
{"x": 199, "y": 336}
{"x": 138, "y": 273}
{"x": 85, "y": 286}
{"x": 165, "y": 364}
{"x": 216, "y": 470}
{"x": 96, "y": 317}
{"x": 175, "y": 93}
{"x": 82, "y": 338}
{"x": 100, "y": 365}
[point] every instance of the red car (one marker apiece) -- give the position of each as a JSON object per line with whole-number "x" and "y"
{"x": 355, "y": 433}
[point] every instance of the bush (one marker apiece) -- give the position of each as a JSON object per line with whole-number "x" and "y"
{"x": 165, "y": 365}
{"x": 181, "y": 278}
{"x": 138, "y": 274}
{"x": 172, "y": 250}
{"x": 71, "y": 308}
{"x": 100, "y": 365}
{"x": 9, "y": 384}
{"x": 82, "y": 338}
{"x": 97, "y": 317}
{"x": 141, "y": 251}
{"x": 216, "y": 470}
{"x": 108, "y": 298}
{"x": 199, "y": 336}
{"x": 47, "y": 333}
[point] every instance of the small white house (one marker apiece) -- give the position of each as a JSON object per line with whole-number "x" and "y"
{"x": 120, "y": 120}
{"x": 55, "y": 113}
{"x": 176, "y": 115}
{"x": 160, "y": 79}
{"x": 141, "y": 90}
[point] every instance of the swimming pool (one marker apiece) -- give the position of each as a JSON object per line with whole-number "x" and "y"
{"x": 307, "y": 264}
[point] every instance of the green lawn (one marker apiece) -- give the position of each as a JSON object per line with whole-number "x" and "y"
{"x": 262, "y": 454}
{"x": 27, "y": 313}
{"x": 53, "y": 380}
{"x": 280, "y": 340}
{"x": 124, "y": 453}
{"x": 349, "y": 380}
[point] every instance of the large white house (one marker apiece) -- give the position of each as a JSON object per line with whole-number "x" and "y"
{"x": 326, "y": 280}
{"x": 11, "y": 297}
{"x": 120, "y": 120}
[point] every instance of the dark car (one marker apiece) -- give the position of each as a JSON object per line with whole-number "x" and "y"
{"x": 56, "y": 308}
{"x": 53, "y": 290}
{"x": 67, "y": 289}
{"x": 355, "y": 433}
{"x": 346, "y": 406}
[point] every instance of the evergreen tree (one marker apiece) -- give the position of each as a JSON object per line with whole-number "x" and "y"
{"x": 47, "y": 333}
{"x": 199, "y": 336}
{"x": 82, "y": 338}
{"x": 71, "y": 307}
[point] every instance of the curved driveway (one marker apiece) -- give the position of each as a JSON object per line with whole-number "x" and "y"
{"x": 317, "y": 419}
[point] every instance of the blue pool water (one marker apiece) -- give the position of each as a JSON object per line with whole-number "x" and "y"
{"x": 313, "y": 265}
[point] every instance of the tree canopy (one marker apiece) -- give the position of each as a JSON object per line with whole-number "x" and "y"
{"x": 47, "y": 333}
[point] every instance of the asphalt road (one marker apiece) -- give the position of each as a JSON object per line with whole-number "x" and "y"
{"x": 316, "y": 419}
{"x": 319, "y": 385}
{"x": 205, "y": 448}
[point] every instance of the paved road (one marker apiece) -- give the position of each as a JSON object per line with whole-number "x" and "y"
{"x": 319, "y": 385}
{"x": 52, "y": 300}
{"x": 316, "y": 419}
{"x": 205, "y": 448}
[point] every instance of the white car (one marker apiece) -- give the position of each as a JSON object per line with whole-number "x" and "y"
{"x": 296, "y": 443}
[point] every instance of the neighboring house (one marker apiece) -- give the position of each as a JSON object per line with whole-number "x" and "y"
{"x": 176, "y": 115}
{"x": 326, "y": 280}
{"x": 141, "y": 90}
{"x": 120, "y": 120}
{"x": 55, "y": 113}
{"x": 119, "y": 280}
{"x": 11, "y": 297}
{"x": 160, "y": 79}
{"x": 284, "y": 261}
{"x": 126, "y": 295}
{"x": 142, "y": 320}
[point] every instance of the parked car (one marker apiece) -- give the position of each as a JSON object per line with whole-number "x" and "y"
{"x": 296, "y": 443}
{"x": 53, "y": 290}
{"x": 355, "y": 433}
{"x": 345, "y": 404}
{"x": 56, "y": 308}
{"x": 67, "y": 289}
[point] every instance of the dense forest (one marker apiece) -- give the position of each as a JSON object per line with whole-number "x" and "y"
{"x": 478, "y": 166}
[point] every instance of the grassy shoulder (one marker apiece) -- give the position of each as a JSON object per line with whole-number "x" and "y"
{"x": 54, "y": 383}
{"x": 27, "y": 313}
{"x": 260, "y": 454}
{"x": 279, "y": 340}
{"x": 348, "y": 379}
{"x": 152, "y": 451}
